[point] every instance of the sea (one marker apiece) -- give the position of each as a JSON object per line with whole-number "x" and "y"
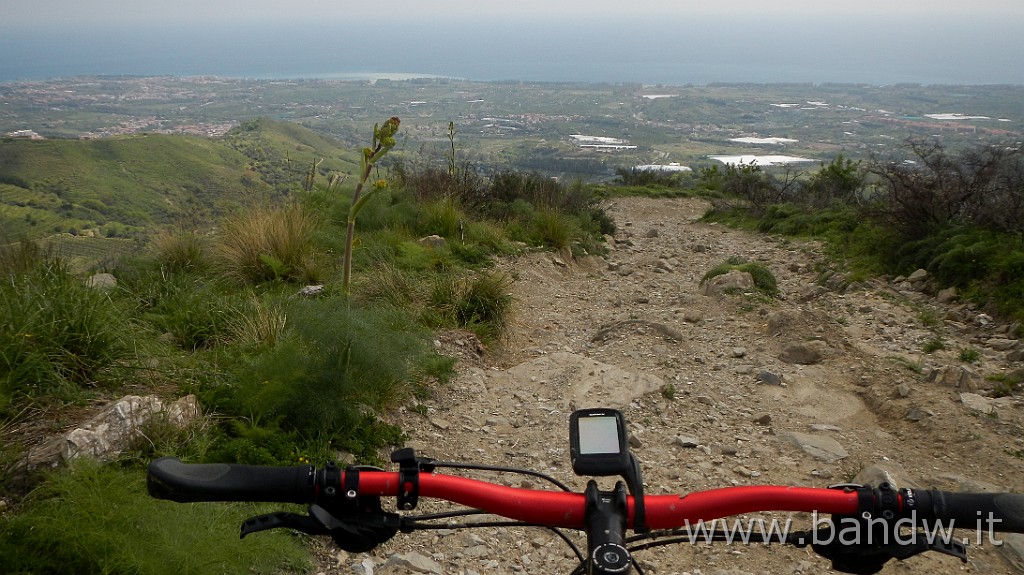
{"x": 648, "y": 50}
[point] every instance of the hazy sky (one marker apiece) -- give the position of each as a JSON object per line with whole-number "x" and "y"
{"x": 49, "y": 12}
{"x": 655, "y": 41}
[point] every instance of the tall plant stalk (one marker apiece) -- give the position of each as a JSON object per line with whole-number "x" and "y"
{"x": 383, "y": 141}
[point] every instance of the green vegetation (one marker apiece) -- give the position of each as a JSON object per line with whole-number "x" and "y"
{"x": 130, "y": 185}
{"x": 764, "y": 280}
{"x": 383, "y": 141}
{"x": 267, "y": 244}
{"x": 970, "y": 355}
{"x": 958, "y": 215}
{"x": 290, "y": 378}
{"x": 1007, "y": 385}
{"x": 93, "y": 519}
{"x": 58, "y": 336}
{"x": 933, "y": 345}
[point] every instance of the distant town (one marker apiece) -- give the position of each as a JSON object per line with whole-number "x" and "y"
{"x": 578, "y": 130}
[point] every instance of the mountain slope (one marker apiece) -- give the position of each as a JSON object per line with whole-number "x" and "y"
{"x": 126, "y": 185}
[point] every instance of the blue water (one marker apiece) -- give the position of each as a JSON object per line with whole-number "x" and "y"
{"x": 646, "y": 50}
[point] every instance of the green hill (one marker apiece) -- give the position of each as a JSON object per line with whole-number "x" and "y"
{"x": 126, "y": 185}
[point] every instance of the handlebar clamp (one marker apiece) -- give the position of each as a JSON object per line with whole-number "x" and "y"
{"x": 409, "y": 467}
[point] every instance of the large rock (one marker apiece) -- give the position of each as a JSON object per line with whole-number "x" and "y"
{"x": 733, "y": 280}
{"x": 820, "y": 447}
{"x": 885, "y": 472}
{"x": 957, "y": 377}
{"x": 118, "y": 428}
{"x": 978, "y": 403}
{"x": 411, "y": 562}
{"x": 434, "y": 242}
{"x": 102, "y": 281}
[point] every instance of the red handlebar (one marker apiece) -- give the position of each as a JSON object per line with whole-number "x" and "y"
{"x": 171, "y": 479}
{"x": 560, "y": 509}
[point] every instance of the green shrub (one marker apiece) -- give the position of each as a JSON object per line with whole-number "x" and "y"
{"x": 933, "y": 345}
{"x": 333, "y": 363}
{"x": 57, "y": 334}
{"x": 487, "y": 234}
{"x": 95, "y": 519}
{"x": 181, "y": 250}
{"x": 553, "y": 229}
{"x": 969, "y": 355}
{"x": 482, "y": 303}
{"x": 196, "y": 314}
{"x": 443, "y": 218}
{"x": 257, "y": 324}
{"x": 764, "y": 280}
{"x": 390, "y": 284}
{"x": 266, "y": 244}
{"x": 414, "y": 256}
{"x": 19, "y": 258}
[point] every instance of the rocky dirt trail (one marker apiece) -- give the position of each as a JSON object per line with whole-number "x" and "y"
{"x": 824, "y": 384}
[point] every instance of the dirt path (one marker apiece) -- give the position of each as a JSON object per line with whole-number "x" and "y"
{"x": 633, "y": 330}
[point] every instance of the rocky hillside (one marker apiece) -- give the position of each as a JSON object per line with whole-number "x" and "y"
{"x": 826, "y": 383}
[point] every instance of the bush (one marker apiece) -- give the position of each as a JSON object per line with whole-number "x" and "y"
{"x": 58, "y": 334}
{"x": 443, "y": 218}
{"x": 180, "y": 250}
{"x": 391, "y": 285}
{"x": 20, "y": 258}
{"x": 969, "y": 355}
{"x": 100, "y": 520}
{"x": 481, "y": 303}
{"x": 194, "y": 312}
{"x": 764, "y": 280}
{"x": 649, "y": 177}
{"x": 256, "y": 324}
{"x": 552, "y": 229}
{"x": 266, "y": 244}
{"x": 333, "y": 363}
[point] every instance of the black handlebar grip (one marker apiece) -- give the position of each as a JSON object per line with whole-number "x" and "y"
{"x": 169, "y": 478}
{"x": 997, "y": 512}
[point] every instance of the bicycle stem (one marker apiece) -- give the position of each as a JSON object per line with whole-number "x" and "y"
{"x": 605, "y": 517}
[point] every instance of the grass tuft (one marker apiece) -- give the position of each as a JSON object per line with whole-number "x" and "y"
{"x": 95, "y": 519}
{"x": 57, "y": 334}
{"x": 267, "y": 244}
{"x": 181, "y": 250}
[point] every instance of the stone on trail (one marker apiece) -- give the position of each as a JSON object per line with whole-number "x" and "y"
{"x": 117, "y": 428}
{"x": 819, "y": 447}
{"x": 978, "y": 403}
{"x": 569, "y": 377}
{"x": 733, "y": 280}
{"x": 802, "y": 353}
{"x": 885, "y": 471}
{"x": 411, "y": 562}
{"x": 102, "y": 281}
{"x": 769, "y": 378}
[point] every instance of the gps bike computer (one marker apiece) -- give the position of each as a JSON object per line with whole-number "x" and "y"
{"x": 597, "y": 442}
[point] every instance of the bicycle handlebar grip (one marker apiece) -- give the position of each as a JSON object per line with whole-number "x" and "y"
{"x": 1002, "y": 512}
{"x": 169, "y": 478}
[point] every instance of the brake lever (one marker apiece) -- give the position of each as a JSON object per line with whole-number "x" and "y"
{"x": 362, "y": 532}
{"x": 867, "y": 559}
{"x": 283, "y": 520}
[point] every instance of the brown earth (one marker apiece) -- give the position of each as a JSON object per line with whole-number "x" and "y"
{"x": 634, "y": 330}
